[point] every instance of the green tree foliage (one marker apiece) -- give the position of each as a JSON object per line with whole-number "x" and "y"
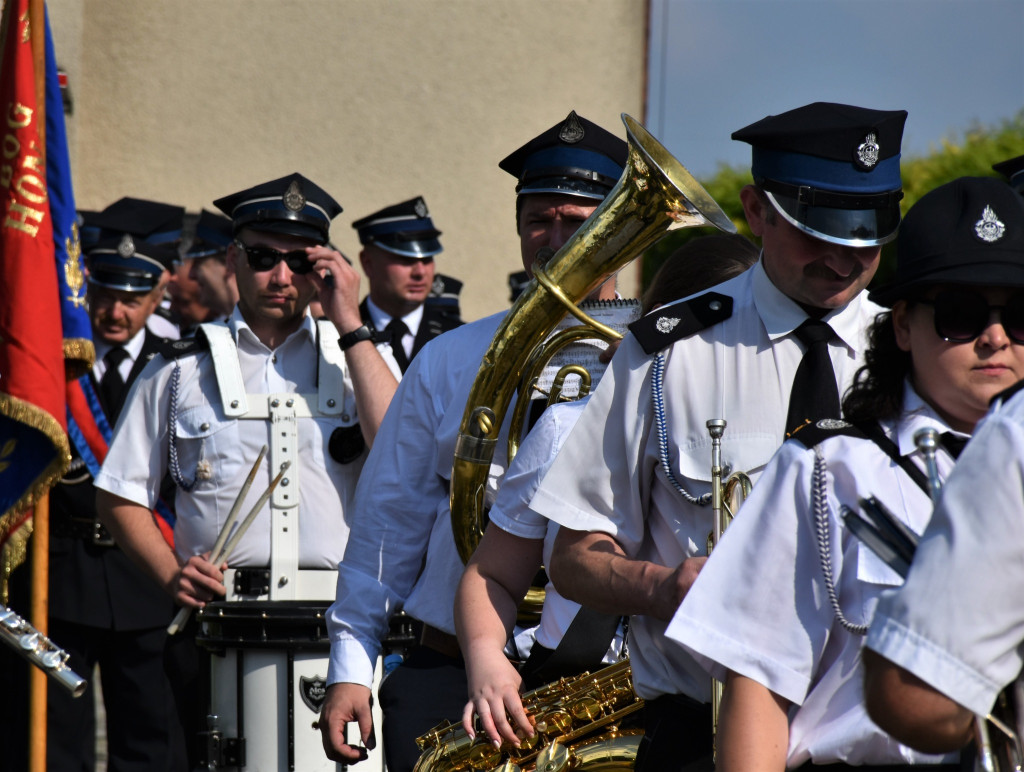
{"x": 971, "y": 155}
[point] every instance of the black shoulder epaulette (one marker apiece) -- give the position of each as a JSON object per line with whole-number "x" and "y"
{"x": 665, "y": 326}
{"x": 1004, "y": 396}
{"x": 811, "y": 434}
{"x": 176, "y": 349}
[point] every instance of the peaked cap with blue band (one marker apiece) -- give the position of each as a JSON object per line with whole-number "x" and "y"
{"x": 291, "y": 205}
{"x": 213, "y": 235}
{"x": 137, "y": 240}
{"x": 404, "y": 229}
{"x": 575, "y": 157}
{"x": 1013, "y": 170}
{"x": 831, "y": 170}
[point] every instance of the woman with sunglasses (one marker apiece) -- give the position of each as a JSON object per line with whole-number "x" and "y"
{"x": 780, "y": 608}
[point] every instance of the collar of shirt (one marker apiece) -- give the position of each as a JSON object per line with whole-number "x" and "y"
{"x": 241, "y": 331}
{"x": 782, "y": 315}
{"x": 917, "y": 415}
{"x": 380, "y": 319}
{"x": 133, "y": 348}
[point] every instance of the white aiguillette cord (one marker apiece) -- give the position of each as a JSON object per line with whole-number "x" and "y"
{"x": 224, "y": 546}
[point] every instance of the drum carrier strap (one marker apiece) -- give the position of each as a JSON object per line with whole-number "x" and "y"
{"x": 283, "y": 411}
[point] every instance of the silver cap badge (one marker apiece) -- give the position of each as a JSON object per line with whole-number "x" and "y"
{"x": 989, "y": 228}
{"x": 666, "y": 324}
{"x": 420, "y": 208}
{"x": 867, "y": 152}
{"x": 127, "y": 247}
{"x": 293, "y": 199}
{"x": 572, "y": 130}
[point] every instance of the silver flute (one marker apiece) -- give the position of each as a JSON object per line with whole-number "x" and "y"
{"x": 40, "y": 651}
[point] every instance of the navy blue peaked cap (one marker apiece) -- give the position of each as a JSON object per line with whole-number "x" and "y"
{"x": 575, "y": 157}
{"x": 291, "y": 205}
{"x": 136, "y": 241}
{"x": 831, "y": 170}
{"x": 214, "y": 233}
{"x": 1013, "y": 170}
{"x": 404, "y": 229}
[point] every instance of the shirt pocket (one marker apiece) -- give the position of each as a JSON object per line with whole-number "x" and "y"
{"x": 208, "y": 446}
{"x": 873, "y": 577}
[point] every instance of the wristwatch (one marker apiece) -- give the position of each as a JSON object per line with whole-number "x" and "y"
{"x": 349, "y": 339}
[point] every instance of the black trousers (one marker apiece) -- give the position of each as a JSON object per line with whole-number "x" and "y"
{"x": 677, "y": 736}
{"x": 143, "y": 731}
{"x": 423, "y": 691}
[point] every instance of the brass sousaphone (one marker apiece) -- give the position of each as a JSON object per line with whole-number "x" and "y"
{"x": 654, "y": 195}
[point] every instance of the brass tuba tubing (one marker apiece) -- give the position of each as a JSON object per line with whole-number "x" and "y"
{"x": 654, "y": 195}
{"x": 40, "y": 651}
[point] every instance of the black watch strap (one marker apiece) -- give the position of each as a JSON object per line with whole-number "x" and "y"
{"x": 349, "y": 339}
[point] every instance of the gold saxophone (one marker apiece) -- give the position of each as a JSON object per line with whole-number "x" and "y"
{"x": 654, "y": 195}
{"x": 578, "y": 723}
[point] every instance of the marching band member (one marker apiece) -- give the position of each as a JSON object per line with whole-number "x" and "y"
{"x": 401, "y": 553}
{"x": 943, "y": 646}
{"x": 626, "y": 487}
{"x": 762, "y": 609}
{"x": 203, "y": 411}
{"x": 518, "y": 542}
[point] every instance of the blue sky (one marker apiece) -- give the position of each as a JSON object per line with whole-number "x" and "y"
{"x": 718, "y": 65}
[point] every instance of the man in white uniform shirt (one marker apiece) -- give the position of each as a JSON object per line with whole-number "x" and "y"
{"x": 269, "y": 376}
{"x": 630, "y": 486}
{"x": 401, "y": 553}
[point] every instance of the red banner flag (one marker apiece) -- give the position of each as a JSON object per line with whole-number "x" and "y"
{"x": 33, "y": 430}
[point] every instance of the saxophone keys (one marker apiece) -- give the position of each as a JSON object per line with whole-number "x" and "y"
{"x": 554, "y": 758}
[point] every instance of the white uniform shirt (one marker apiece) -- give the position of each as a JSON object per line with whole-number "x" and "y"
{"x": 761, "y": 608}
{"x": 511, "y": 512}
{"x": 958, "y": 622}
{"x": 138, "y": 457}
{"x": 412, "y": 321}
{"x": 401, "y": 552}
{"x": 608, "y": 477}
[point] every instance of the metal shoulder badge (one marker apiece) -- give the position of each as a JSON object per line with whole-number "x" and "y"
{"x": 668, "y": 324}
{"x": 175, "y": 349}
{"x": 814, "y": 433}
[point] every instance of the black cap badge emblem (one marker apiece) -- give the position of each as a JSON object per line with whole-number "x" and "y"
{"x": 867, "y": 152}
{"x": 572, "y": 130}
{"x": 989, "y": 229}
{"x": 293, "y": 199}
{"x": 420, "y": 208}
{"x": 127, "y": 247}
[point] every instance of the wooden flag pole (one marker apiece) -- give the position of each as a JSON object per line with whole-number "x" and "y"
{"x": 41, "y": 514}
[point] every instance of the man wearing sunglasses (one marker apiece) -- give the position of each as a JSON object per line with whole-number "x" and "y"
{"x": 631, "y": 487}
{"x": 310, "y": 392}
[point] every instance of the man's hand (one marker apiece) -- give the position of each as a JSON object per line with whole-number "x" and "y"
{"x": 339, "y": 294}
{"x": 343, "y": 704}
{"x": 674, "y": 587}
{"x": 198, "y": 582}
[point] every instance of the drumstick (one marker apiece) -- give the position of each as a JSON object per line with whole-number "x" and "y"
{"x": 220, "y": 551}
{"x": 233, "y": 514}
{"x": 251, "y": 517}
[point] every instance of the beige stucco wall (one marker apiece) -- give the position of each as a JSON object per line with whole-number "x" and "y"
{"x": 187, "y": 100}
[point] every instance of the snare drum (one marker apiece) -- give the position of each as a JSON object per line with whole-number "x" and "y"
{"x": 268, "y": 674}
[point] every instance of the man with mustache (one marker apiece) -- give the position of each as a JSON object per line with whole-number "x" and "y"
{"x": 401, "y": 552}
{"x": 400, "y": 243}
{"x": 631, "y": 486}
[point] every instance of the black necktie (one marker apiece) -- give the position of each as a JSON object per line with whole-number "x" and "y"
{"x": 112, "y": 384}
{"x": 953, "y": 444}
{"x": 815, "y": 394}
{"x": 398, "y": 330}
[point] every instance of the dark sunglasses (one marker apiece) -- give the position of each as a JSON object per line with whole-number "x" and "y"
{"x": 265, "y": 258}
{"x": 961, "y": 317}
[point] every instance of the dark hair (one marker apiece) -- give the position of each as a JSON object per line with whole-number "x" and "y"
{"x": 877, "y": 389}
{"x": 697, "y": 265}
